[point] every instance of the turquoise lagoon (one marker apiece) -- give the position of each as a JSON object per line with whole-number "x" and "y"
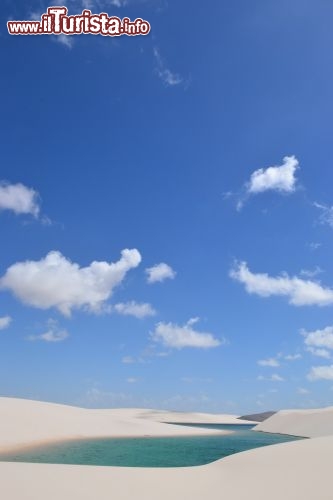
{"x": 151, "y": 451}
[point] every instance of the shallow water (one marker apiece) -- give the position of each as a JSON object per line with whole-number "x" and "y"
{"x": 151, "y": 452}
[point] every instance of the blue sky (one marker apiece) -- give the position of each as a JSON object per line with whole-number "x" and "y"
{"x": 166, "y": 209}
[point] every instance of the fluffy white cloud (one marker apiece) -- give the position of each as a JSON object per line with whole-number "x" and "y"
{"x": 173, "y": 335}
{"x": 57, "y": 282}
{"x": 299, "y": 292}
{"x": 19, "y": 199}
{"x": 272, "y": 362}
{"x": 321, "y": 373}
{"x": 5, "y": 322}
{"x": 319, "y": 338}
{"x": 278, "y": 178}
{"x": 52, "y": 334}
{"x": 159, "y": 273}
{"x": 134, "y": 309}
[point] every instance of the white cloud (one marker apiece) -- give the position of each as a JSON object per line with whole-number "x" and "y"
{"x": 319, "y": 338}
{"x": 52, "y": 334}
{"x": 272, "y": 378}
{"x": 326, "y": 216}
{"x": 19, "y": 199}
{"x": 55, "y": 281}
{"x": 292, "y": 357}
{"x": 299, "y": 292}
{"x": 272, "y": 362}
{"x": 278, "y": 178}
{"x": 134, "y": 309}
{"x": 321, "y": 373}
{"x": 169, "y": 78}
{"x": 173, "y": 335}
{"x": 5, "y": 322}
{"x": 321, "y": 353}
{"x": 159, "y": 273}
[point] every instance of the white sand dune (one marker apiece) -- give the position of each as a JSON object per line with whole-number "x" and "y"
{"x": 306, "y": 423}
{"x": 291, "y": 471}
{"x": 25, "y": 422}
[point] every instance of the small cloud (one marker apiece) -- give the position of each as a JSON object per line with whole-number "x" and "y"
{"x": 280, "y": 178}
{"x": 132, "y": 308}
{"x": 300, "y": 292}
{"x": 159, "y": 273}
{"x": 272, "y": 378}
{"x": 292, "y": 357}
{"x": 321, "y": 373}
{"x": 53, "y": 333}
{"x": 178, "y": 337}
{"x": 19, "y": 199}
{"x": 326, "y": 216}
{"x": 272, "y": 362}
{"x": 5, "y": 321}
{"x": 169, "y": 78}
{"x": 314, "y": 246}
{"x": 319, "y": 338}
{"x": 322, "y": 353}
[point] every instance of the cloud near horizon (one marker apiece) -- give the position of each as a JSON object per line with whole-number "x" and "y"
{"x": 300, "y": 292}
{"x": 178, "y": 337}
{"x": 56, "y": 282}
{"x": 19, "y": 199}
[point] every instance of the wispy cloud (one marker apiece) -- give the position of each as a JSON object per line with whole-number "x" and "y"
{"x": 292, "y": 357}
{"x": 169, "y": 78}
{"x": 311, "y": 273}
{"x": 299, "y": 292}
{"x": 55, "y": 281}
{"x": 19, "y": 199}
{"x": 135, "y": 309}
{"x": 5, "y": 321}
{"x": 326, "y": 216}
{"x": 275, "y": 377}
{"x": 159, "y": 273}
{"x": 271, "y": 362}
{"x": 52, "y": 334}
{"x": 180, "y": 336}
{"x": 66, "y": 40}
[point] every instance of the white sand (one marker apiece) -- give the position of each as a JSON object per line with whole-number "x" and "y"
{"x": 24, "y": 422}
{"x": 290, "y": 471}
{"x": 307, "y": 423}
